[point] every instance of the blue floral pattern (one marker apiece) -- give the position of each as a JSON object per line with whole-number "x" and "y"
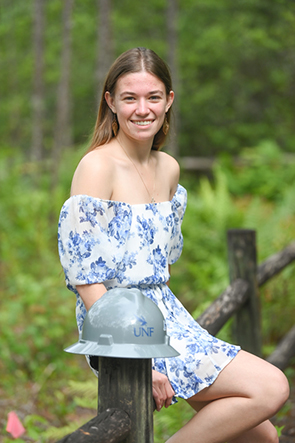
{"x": 126, "y": 245}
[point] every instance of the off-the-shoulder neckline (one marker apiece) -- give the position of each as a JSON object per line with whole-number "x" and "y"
{"x": 179, "y": 186}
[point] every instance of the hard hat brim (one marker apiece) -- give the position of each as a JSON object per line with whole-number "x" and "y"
{"x": 122, "y": 350}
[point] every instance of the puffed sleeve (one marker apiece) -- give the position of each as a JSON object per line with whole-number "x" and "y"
{"x": 92, "y": 236}
{"x": 179, "y": 202}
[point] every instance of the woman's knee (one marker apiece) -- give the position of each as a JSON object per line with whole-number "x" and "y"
{"x": 272, "y": 435}
{"x": 276, "y": 391}
{"x": 264, "y": 383}
{"x": 283, "y": 387}
{"x": 268, "y": 435}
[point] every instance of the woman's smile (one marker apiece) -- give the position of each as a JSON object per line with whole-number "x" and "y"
{"x": 142, "y": 122}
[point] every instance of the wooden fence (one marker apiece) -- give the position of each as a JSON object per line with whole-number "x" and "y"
{"x": 125, "y": 403}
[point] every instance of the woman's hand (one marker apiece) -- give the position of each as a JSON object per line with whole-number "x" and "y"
{"x": 162, "y": 390}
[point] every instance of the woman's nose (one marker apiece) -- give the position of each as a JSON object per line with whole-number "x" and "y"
{"x": 142, "y": 107}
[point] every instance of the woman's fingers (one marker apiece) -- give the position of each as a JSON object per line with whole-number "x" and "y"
{"x": 157, "y": 398}
{"x": 170, "y": 394}
{"x": 162, "y": 390}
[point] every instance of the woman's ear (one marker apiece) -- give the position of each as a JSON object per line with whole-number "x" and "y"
{"x": 110, "y": 101}
{"x": 170, "y": 99}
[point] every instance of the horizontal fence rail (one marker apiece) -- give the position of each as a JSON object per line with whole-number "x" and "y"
{"x": 222, "y": 309}
{"x": 205, "y": 164}
{"x": 275, "y": 264}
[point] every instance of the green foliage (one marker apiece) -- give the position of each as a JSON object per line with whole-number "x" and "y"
{"x": 140, "y": 24}
{"x": 85, "y": 396}
{"x": 233, "y": 87}
{"x": 85, "y": 393}
{"x": 28, "y": 251}
{"x": 279, "y": 430}
{"x": 263, "y": 170}
{"x": 37, "y": 314}
{"x": 202, "y": 272}
{"x": 235, "y": 68}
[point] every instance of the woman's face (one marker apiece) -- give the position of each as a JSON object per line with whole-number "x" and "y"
{"x": 140, "y": 102}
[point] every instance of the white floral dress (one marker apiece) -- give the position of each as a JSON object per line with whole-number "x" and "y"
{"x": 125, "y": 245}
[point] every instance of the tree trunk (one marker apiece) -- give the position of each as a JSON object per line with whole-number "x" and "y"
{"x": 62, "y": 131}
{"x": 104, "y": 44}
{"x": 172, "y": 14}
{"x": 38, "y": 81}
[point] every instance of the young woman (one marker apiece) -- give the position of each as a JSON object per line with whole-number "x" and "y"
{"x": 121, "y": 228}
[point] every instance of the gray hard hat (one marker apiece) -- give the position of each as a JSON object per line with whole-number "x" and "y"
{"x": 124, "y": 323}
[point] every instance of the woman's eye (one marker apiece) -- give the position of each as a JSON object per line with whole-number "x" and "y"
{"x": 154, "y": 98}
{"x": 129, "y": 99}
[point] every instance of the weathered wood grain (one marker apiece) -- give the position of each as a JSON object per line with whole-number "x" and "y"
{"x": 242, "y": 259}
{"x": 111, "y": 426}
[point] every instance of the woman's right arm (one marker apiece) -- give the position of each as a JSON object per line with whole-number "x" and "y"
{"x": 91, "y": 293}
{"x": 94, "y": 177}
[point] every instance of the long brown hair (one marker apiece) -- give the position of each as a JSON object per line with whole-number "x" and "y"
{"x": 133, "y": 60}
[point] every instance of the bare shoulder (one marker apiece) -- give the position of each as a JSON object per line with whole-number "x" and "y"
{"x": 94, "y": 174}
{"x": 167, "y": 161}
{"x": 170, "y": 169}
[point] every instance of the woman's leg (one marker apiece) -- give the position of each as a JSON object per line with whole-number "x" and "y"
{"x": 245, "y": 394}
{"x": 263, "y": 433}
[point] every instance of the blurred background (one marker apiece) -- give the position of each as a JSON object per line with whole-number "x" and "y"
{"x": 233, "y": 132}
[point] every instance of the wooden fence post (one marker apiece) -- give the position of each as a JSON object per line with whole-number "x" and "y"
{"x": 243, "y": 264}
{"x": 126, "y": 383}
